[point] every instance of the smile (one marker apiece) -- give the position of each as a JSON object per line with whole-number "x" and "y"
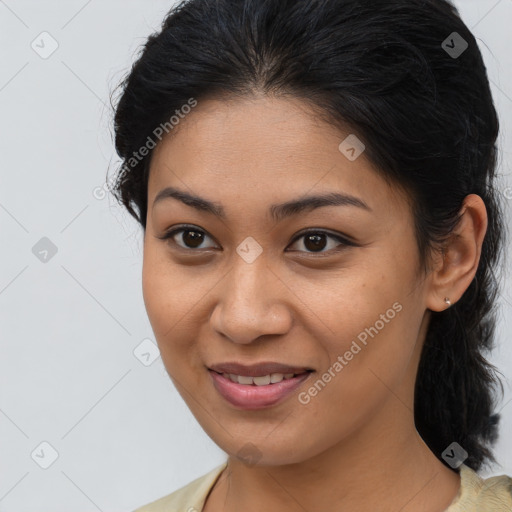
{"x": 256, "y": 392}
{"x": 260, "y": 380}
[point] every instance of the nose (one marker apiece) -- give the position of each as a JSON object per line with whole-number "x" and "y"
{"x": 252, "y": 302}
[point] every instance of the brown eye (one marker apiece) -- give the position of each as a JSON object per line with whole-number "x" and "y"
{"x": 187, "y": 237}
{"x": 317, "y": 241}
{"x": 192, "y": 238}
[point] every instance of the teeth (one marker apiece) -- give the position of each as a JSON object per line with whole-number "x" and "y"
{"x": 260, "y": 380}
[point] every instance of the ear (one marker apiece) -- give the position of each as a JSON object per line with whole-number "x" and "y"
{"x": 456, "y": 267}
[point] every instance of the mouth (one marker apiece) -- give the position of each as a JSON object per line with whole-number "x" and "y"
{"x": 260, "y": 380}
{"x": 251, "y": 392}
{"x": 262, "y": 369}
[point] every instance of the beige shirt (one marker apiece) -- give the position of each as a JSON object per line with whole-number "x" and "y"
{"x": 475, "y": 494}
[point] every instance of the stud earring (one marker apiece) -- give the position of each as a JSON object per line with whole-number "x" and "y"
{"x": 448, "y": 301}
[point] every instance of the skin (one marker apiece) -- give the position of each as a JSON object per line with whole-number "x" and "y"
{"x": 292, "y": 305}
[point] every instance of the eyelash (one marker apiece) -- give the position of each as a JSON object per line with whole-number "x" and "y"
{"x": 344, "y": 242}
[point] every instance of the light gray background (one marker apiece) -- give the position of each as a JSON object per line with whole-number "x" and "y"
{"x": 69, "y": 327}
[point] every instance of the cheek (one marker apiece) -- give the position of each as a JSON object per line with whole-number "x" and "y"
{"x": 154, "y": 285}
{"x": 175, "y": 301}
{"x": 372, "y": 314}
{"x": 161, "y": 285}
{"x": 348, "y": 306}
{"x": 166, "y": 288}
{"x": 359, "y": 378}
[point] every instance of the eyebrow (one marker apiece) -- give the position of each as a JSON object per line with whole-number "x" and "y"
{"x": 277, "y": 211}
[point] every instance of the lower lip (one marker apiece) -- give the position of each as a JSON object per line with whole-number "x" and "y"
{"x": 251, "y": 397}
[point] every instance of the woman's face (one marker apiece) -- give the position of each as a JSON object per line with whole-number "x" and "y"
{"x": 270, "y": 282}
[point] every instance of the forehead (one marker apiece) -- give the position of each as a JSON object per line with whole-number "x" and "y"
{"x": 264, "y": 147}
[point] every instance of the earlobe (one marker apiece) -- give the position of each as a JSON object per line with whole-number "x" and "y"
{"x": 460, "y": 256}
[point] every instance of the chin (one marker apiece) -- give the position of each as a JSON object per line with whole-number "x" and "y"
{"x": 255, "y": 453}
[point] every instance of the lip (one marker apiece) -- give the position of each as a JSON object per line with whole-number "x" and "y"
{"x": 252, "y": 397}
{"x": 255, "y": 370}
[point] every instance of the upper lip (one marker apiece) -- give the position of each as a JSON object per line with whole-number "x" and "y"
{"x": 255, "y": 370}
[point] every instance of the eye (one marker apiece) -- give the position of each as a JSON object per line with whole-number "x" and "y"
{"x": 191, "y": 237}
{"x": 316, "y": 241}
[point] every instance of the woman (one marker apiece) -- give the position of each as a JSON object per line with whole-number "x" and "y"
{"x": 315, "y": 182}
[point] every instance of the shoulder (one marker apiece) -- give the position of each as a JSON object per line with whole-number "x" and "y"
{"x": 189, "y": 498}
{"x": 479, "y": 494}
